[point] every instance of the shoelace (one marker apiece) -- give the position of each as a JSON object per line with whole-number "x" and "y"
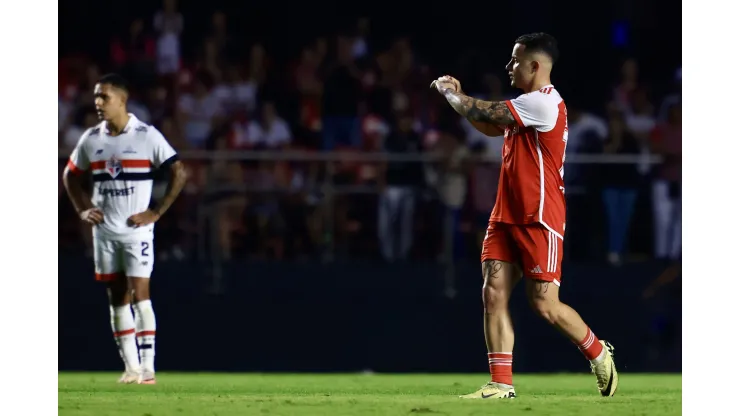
{"x": 490, "y": 384}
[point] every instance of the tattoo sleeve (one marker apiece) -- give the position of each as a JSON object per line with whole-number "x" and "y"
{"x": 177, "y": 182}
{"x": 494, "y": 112}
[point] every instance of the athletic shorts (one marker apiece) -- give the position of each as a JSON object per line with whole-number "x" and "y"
{"x": 537, "y": 250}
{"x": 114, "y": 258}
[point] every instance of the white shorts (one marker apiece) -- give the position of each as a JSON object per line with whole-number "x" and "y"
{"x": 114, "y": 258}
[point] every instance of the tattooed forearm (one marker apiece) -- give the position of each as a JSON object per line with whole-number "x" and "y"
{"x": 495, "y": 112}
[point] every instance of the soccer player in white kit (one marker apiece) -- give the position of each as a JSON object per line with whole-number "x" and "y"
{"x": 122, "y": 152}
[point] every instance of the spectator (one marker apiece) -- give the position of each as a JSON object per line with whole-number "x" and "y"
{"x": 397, "y": 199}
{"x": 197, "y": 112}
{"x": 219, "y": 35}
{"x": 168, "y": 24}
{"x": 666, "y": 141}
{"x": 640, "y": 119}
{"x": 135, "y": 54}
{"x": 360, "y": 46}
{"x": 619, "y": 181}
{"x": 452, "y": 187}
{"x": 270, "y": 131}
{"x": 628, "y": 83}
{"x": 340, "y": 100}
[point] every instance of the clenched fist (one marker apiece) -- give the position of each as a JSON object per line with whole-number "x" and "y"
{"x": 446, "y": 82}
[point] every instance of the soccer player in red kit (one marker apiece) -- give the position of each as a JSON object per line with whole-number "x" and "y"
{"x": 527, "y": 225}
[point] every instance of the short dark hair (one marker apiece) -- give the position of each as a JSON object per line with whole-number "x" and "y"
{"x": 114, "y": 80}
{"x": 540, "y": 42}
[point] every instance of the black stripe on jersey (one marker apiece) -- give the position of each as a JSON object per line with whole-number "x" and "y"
{"x": 124, "y": 176}
{"x": 169, "y": 161}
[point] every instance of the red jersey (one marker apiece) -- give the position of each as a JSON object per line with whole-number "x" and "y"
{"x": 531, "y": 188}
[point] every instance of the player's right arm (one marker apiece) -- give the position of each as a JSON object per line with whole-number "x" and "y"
{"x": 487, "y": 117}
{"x": 72, "y": 178}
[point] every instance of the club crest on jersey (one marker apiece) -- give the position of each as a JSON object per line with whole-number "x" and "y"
{"x": 113, "y": 166}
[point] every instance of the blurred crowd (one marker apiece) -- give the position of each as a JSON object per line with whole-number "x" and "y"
{"x": 346, "y": 94}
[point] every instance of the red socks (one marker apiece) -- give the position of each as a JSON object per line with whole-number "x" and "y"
{"x": 500, "y": 365}
{"x": 590, "y": 346}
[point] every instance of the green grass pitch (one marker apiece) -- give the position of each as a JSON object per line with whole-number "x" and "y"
{"x": 206, "y": 394}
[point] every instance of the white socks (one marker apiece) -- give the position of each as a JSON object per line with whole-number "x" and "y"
{"x": 124, "y": 332}
{"x": 600, "y": 357}
{"x": 146, "y": 327}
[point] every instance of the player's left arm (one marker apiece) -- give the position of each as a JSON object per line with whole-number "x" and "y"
{"x": 164, "y": 157}
{"x": 178, "y": 177}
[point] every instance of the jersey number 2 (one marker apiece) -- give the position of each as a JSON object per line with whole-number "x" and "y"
{"x": 144, "y": 248}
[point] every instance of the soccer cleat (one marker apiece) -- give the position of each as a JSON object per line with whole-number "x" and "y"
{"x": 147, "y": 377}
{"x": 129, "y": 377}
{"x": 492, "y": 390}
{"x": 607, "y": 378}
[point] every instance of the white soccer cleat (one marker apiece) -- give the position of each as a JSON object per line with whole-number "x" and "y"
{"x": 492, "y": 390}
{"x": 129, "y": 377}
{"x": 147, "y": 377}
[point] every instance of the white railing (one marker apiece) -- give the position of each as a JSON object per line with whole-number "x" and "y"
{"x": 305, "y": 156}
{"x": 209, "y": 250}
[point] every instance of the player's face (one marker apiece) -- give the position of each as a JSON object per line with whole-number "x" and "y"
{"x": 519, "y": 68}
{"x": 109, "y": 101}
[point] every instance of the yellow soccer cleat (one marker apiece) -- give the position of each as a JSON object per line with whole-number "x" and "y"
{"x": 607, "y": 378}
{"x": 492, "y": 390}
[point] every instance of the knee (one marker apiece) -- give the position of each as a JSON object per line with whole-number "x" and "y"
{"x": 140, "y": 290}
{"x": 494, "y": 298}
{"x": 545, "y": 308}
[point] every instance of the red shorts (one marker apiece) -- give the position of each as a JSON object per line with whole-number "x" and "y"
{"x": 537, "y": 250}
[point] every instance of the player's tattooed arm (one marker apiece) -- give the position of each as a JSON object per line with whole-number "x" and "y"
{"x": 494, "y": 112}
{"x": 175, "y": 185}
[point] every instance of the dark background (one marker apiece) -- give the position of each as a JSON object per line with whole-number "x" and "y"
{"x": 356, "y": 311}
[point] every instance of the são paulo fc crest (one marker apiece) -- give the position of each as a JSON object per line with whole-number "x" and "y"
{"x": 113, "y": 166}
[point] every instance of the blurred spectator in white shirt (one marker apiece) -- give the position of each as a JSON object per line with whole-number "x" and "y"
{"x": 270, "y": 131}
{"x": 168, "y": 23}
{"x": 197, "y": 112}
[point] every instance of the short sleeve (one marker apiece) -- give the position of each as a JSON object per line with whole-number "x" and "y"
{"x": 79, "y": 161}
{"x": 535, "y": 109}
{"x": 162, "y": 153}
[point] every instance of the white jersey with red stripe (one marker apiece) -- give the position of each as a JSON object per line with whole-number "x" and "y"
{"x": 122, "y": 173}
{"x": 531, "y": 188}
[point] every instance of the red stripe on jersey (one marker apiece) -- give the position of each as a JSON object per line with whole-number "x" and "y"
{"x": 73, "y": 168}
{"x": 514, "y": 113}
{"x": 126, "y": 163}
